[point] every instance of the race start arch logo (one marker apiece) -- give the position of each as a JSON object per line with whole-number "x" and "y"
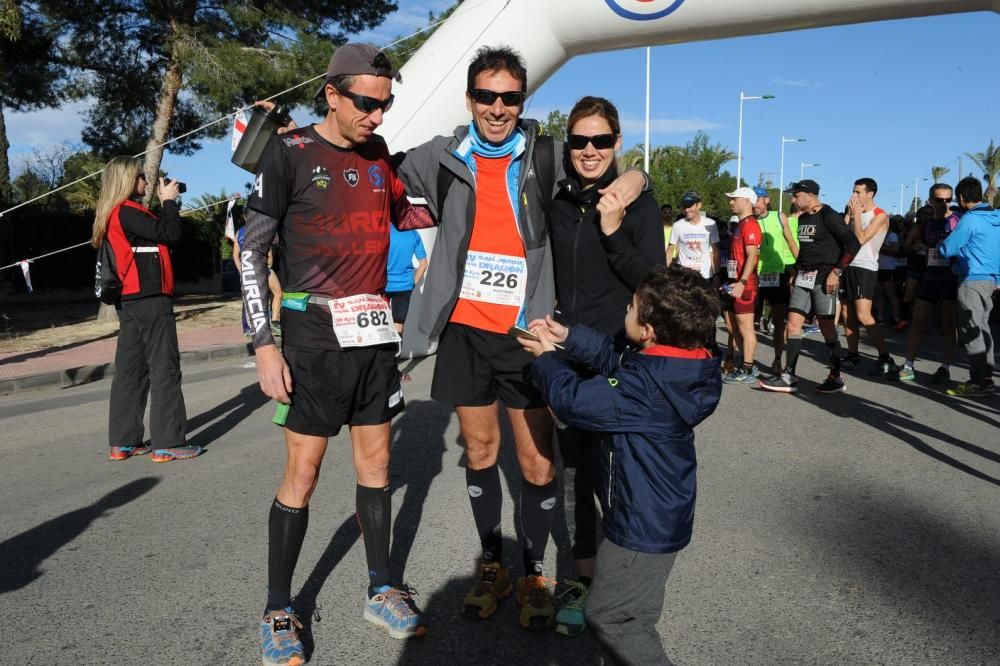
{"x": 644, "y": 10}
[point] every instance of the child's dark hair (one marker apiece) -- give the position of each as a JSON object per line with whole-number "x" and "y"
{"x": 680, "y": 305}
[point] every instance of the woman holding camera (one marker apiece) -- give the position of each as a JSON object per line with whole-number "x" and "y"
{"x": 147, "y": 360}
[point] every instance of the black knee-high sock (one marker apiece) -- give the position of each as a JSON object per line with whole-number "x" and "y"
{"x": 834, "y": 347}
{"x": 792, "y": 351}
{"x": 286, "y": 528}
{"x": 486, "y": 498}
{"x": 374, "y": 507}
{"x": 537, "y": 509}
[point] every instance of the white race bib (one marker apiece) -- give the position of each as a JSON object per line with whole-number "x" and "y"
{"x": 770, "y": 280}
{"x": 806, "y": 280}
{"x": 731, "y": 269}
{"x": 495, "y": 278}
{"x": 362, "y": 321}
{"x": 935, "y": 259}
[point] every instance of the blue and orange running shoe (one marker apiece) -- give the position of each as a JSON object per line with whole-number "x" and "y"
{"x": 393, "y": 609}
{"x": 279, "y": 639}
{"x": 176, "y": 453}
{"x": 126, "y": 452}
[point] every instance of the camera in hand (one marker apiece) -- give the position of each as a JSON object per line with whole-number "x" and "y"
{"x": 181, "y": 187}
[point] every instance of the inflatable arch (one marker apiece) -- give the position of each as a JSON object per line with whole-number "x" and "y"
{"x": 547, "y": 33}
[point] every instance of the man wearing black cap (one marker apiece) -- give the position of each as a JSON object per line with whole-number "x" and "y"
{"x": 826, "y": 246}
{"x": 329, "y": 192}
{"x": 694, "y": 240}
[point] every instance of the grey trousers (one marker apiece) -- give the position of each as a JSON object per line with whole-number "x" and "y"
{"x": 625, "y": 603}
{"x": 975, "y": 300}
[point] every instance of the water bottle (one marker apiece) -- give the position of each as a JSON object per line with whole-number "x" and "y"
{"x": 259, "y": 130}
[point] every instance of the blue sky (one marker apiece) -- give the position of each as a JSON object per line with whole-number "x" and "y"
{"x": 885, "y": 100}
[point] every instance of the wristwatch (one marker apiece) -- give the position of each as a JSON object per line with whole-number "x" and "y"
{"x": 743, "y": 282}
{"x": 838, "y": 272}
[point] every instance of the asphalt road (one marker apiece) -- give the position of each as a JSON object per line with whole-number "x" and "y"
{"x": 859, "y": 528}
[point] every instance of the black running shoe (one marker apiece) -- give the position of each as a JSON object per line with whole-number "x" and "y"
{"x": 831, "y": 385}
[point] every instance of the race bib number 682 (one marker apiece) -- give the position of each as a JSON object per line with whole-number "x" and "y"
{"x": 362, "y": 321}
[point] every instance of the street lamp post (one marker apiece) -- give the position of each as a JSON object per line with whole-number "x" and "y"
{"x": 781, "y": 173}
{"x": 739, "y": 145}
{"x": 802, "y": 168}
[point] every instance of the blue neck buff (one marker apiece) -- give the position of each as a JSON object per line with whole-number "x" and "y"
{"x": 490, "y": 150}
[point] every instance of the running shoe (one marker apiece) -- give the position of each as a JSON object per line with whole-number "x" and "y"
{"x": 776, "y": 367}
{"x": 906, "y": 374}
{"x": 126, "y": 452}
{"x": 851, "y": 362}
{"x": 737, "y": 376}
{"x": 941, "y": 376}
{"x": 971, "y": 390}
{"x": 780, "y": 383}
{"x": 811, "y": 329}
{"x": 744, "y": 377}
{"x": 832, "y": 385}
{"x": 902, "y": 324}
{"x": 176, "y": 453}
{"x": 535, "y": 600}
{"x": 492, "y": 585}
{"x": 884, "y": 368}
{"x": 394, "y": 610}
{"x": 279, "y": 639}
{"x": 569, "y": 619}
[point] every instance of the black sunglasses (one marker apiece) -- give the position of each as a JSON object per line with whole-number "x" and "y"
{"x": 368, "y": 104}
{"x": 942, "y": 199}
{"x": 600, "y": 141}
{"x": 489, "y": 97}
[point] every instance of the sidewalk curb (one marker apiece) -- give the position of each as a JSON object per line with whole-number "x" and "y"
{"x": 91, "y": 373}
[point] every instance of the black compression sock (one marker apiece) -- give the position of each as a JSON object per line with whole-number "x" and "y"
{"x": 286, "y": 527}
{"x": 792, "y": 351}
{"x": 374, "y": 511}
{"x": 537, "y": 509}
{"x": 486, "y": 498}
{"x": 834, "y": 347}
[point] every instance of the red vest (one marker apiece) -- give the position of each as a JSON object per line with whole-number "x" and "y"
{"x": 128, "y": 260}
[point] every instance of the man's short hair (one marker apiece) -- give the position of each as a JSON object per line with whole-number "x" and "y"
{"x": 970, "y": 189}
{"x": 495, "y": 58}
{"x": 679, "y": 304}
{"x": 869, "y": 184}
{"x": 938, "y": 186}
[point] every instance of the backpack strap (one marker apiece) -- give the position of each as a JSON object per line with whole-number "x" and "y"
{"x": 545, "y": 169}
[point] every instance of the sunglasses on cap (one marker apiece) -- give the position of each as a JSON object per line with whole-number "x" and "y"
{"x": 489, "y": 97}
{"x": 368, "y": 104}
{"x": 599, "y": 141}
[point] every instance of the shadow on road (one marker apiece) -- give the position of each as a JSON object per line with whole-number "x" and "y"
{"x": 455, "y": 639}
{"x": 17, "y": 358}
{"x": 24, "y": 553}
{"x": 232, "y": 411}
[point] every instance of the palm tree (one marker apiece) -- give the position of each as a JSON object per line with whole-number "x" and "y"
{"x": 989, "y": 162}
{"x": 938, "y": 172}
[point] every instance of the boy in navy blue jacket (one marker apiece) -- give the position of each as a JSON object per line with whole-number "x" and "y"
{"x": 646, "y": 403}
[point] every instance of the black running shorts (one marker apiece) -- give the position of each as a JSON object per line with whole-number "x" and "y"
{"x": 474, "y": 367}
{"x": 776, "y": 295}
{"x": 934, "y": 291}
{"x": 331, "y": 388}
{"x": 858, "y": 284}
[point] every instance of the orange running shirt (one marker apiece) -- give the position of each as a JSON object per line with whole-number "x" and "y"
{"x": 493, "y": 286}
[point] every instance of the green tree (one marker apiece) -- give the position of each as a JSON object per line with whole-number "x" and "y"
{"x": 938, "y": 172}
{"x": 555, "y": 125}
{"x": 989, "y": 162}
{"x": 161, "y": 68}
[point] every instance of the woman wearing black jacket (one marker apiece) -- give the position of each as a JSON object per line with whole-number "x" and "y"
{"x": 601, "y": 249}
{"x": 147, "y": 360}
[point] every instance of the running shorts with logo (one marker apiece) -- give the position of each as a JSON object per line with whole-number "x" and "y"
{"x": 774, "y": 294}
{"x": 859, "y": 284}
{"x": 337, "y": 387}
{"x": 474, "y": 367}
{"x": 814, "y": 299}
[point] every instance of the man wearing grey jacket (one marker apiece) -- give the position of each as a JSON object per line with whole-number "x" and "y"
{"x": 491, "y": 269}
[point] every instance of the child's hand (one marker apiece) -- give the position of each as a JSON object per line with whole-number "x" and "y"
{"x": 554, "y": 331}
{"x": 538, "y": 348}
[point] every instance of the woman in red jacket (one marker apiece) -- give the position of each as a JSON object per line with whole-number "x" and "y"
{"x": 147, "y": 360}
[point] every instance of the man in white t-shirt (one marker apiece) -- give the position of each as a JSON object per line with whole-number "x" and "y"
{"x": 694, "y": 240}
{"x": 870, "y": 225}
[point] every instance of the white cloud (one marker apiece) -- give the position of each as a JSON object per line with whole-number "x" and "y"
{"x": 795, "y": 83}
{"x": 632, "y": 125}
{"x": 30, "y": 130}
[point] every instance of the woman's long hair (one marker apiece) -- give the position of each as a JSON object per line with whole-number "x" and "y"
{"x": 117, "y": 185}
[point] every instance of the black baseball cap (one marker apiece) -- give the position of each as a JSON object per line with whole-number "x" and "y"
{"x": 810, "y": 186}
{"x": 358, "y": 58}
{"x": 690, "y": 198}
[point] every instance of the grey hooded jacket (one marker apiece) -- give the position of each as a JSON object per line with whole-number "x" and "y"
{"x": 431, "y": 309}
